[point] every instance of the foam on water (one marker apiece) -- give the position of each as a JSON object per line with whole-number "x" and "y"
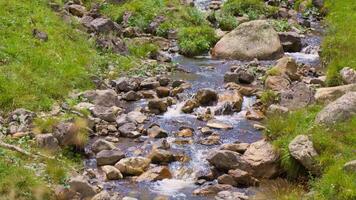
{"x": 172, "y": 187}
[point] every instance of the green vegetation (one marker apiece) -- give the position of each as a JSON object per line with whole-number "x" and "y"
{"x": 226, "y": 22}
{"x": 335, "y": 146}
{"x": 339, "y": 45}
{"x": 252, "y": 8}
{"x": 269, "y": 97}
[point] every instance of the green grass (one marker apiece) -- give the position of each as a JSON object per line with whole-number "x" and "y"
{"x": 335, "y": 145}
{"x": 252, "y": 8}
{"x": 339, "y": 45}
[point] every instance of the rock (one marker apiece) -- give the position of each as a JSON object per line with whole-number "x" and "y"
{"x": 350, "y": 166}
{"x": 125, "y": 84}
{"x": 231, "y": 77}
{"x": 211, "y": 189}
{"x": 236, "y": 147}
{"x": 348, "y": 75}
{"x": 163, "y": 80}
{"x": 206, "y": 97}
{"x": 291, "y": 41}
{"x": 129, "y": 130}
{"x": 80, "y": 184}
{"x": 218, "y": 124}
{"x": 213, "y": 139}
{"x": 233, "y": 98}
{"x": 47, "y": 141}
{"x": 276, "y": 83}
{"x": 65, "y": 133}
{"x": 299, "y": 95}
{"x": 136, "y": 117}
{"x": 156, "y": 132}
{"x": 102, "y": 25}
{"x": 40, "y": 35}
{"x": 340, "y": 110}
{"x": 301, "y": 148}
{"x": 154, "y": 24}
{"x": 225, "y": 160}
{"x": 189, "y": 106}
{"x": 131, "y": 96}
{"x": 103, "y": 195}
{"x": 111, "y": 172}
{"x": 262, "y": 160}
{"x": 227, "y": 195}
{"x": 162, "y": 56}
{"x": 109, "y": 157}
{"x": 273, "y": 109}
{"x": 254, "y": 39}
{"x": 158, "y": 106}
{"x": 243, "y": 90}
{"x": 102, "y": 144}
{"x": 287, "y": 66}
{"x": 155, "y": 174}
{"x": 238, "y": 178}
{"x": 245, "y": 77}
{"x": 105, "y": 98}
{"x": 254, "y": 115}
{"x": 186, "y": 132}
{"x": 162, "y": 92}
{"x": 62, "y": 193}
{"x": 206, "y": 131}
{"x": 160, "y": 156}
{"x": 150, "y": 84}
{"x": 330, "y": 94}
{"x": 105, "y": 113}
{"x": 76, "y": 10}
{"x": 133, "y": 166}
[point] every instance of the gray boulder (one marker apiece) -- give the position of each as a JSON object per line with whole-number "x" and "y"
{"x": 109, "y": 157}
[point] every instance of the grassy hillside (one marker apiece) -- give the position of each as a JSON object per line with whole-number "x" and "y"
{"x": 33, "y": 72}
{"x": 339, "y": 47}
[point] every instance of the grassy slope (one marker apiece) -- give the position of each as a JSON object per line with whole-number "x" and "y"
{"x": 339, "y": 46}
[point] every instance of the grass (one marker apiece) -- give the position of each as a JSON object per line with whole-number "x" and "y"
{"x": 339, "y": 45}
{"x": 335, "y": 145}
{"x": 252, "y": 8}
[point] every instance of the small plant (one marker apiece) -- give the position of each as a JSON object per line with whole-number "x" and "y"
{"x": 142, "y": 49}
{"x": 281, "y": 25}
{"x": 269, "y": 97}
{"x": 193, "y": 41}
{"x": 226, "y": 22}
{"x": 45, "y": 125}
{"x": 252, "y": 8}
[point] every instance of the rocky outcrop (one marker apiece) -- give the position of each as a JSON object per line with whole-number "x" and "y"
{"x": 254, "y": 39}
{"x": 301, "y": 148}
{"x": 340, "y": 110}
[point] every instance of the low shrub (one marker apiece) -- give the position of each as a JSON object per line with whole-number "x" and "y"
{"x": 252, "y": 8}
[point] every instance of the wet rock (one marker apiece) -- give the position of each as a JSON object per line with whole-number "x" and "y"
{"x": 211, "y": 189}
{"x": 232, "y": 98}
{"x": 76, "y": 10}
{"x": 301, "y": 148}
{"x": 102, "y": 25}
{"x": 213, "y": 139}
{"x": 160, "y": 156}
{"x": 245, "y": 77}
{"x": 228, "y": 195}
{"x": 177, "y": 83}
{"x": 254, "y": 115}
{"x": 206, "y": 131}
{"x": 291, "y": 41}
{"x": 47, "y": 141}
{"x": 254, "y": 39}
{"x": 156, "y": 132}
{"x": 106, "y": 113}
{"x": 105, "y": 98}
{"x": 330, "y": 94}
{"x": 129, "y": 130}
{"x": 350, "y": 166}
{"x": 148, "y": 94}
{"x": 102, "y": 144}
{"x": 131, "y": 96}
{"x": 262, "y": 159}
{"x": 243, "y": 90}
{"x": 81, "y": 185}
{"x": 163, "y": 81}
{"x": 231, "y": 77}
{"x": 185, "y": 132}
{"x": 111, "y": 172}
{"x": 348, "y": 75}
{"x": 109, "y": 157}
{"x": 299, "y": 95}
{"x": 206, "y": 97}
{"x": 277, "y": 83}
{"x": 162, "y": 92}
{"x": 133, "y": 165}
{"x": 218, "y": 124}
{"x": 189, "y": 106}
{"x": 155, "y": 174}
{"x": 340, "y": 110}
{"x": 158, "y": 106}
{"x": 136, "y": 117}
{"x": 225, "y": 160}
{"x": 40, "y": 35}
{"x": 236, "y": 147}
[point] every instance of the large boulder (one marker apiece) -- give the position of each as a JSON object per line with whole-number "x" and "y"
{"x": 301, "y": 148}
{"x": 225, "y": 160}
{"x": 133, "y": 165}
{"x": 340, "y": 110}
{"x": 106, "y": 98}
{"x": 330, "y": 94}
{"x": 299, "y": 95}
{"x": 262, "y": 159}
{"x": 254, "y": 39}
{"x": 109, "y": 157}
